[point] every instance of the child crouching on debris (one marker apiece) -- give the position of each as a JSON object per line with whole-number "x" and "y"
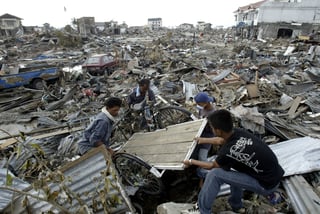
{"x": 243, "y": 161}
{"x": 99, "y": 130}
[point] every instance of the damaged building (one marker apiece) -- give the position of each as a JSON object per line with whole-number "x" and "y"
{"x": 86, "y": 25}
{"x": 9, "y": 25}
{"x": 289, "y": 19}
{"x": 155, "y": 23}
{"x": 278, "y": 18}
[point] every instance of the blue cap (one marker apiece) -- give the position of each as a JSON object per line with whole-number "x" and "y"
{"x": 203, "y": 97}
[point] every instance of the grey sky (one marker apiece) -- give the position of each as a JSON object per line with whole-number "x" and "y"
{"x": 132, "y": 12}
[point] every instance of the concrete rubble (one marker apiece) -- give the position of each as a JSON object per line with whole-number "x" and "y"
{"x": 271, "y": 87}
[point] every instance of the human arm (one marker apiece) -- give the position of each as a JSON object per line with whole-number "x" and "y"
{"x": 111, "y": 151}
{"x": 210, "y": 140}
{"x": 151, "y": 96}
{"x": 202, "y": 164}
{"x": 130, "y": 99}
{"x": 108, "y": 149}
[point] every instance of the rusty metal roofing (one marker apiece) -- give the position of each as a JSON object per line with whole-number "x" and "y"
{"x": 90, "y": 181}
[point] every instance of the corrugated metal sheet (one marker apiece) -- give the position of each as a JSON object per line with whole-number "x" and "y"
{"x": 299, "y": 155}
{"x": 6, "y": 195}
{"x": 85, "y": 178}
{"x": 303, "y": 198}
{"x": 300, "y": 88}
{"x": 48, "y": 146}
{"x": 189, "y": 89}
{"x": 314, "y": 103}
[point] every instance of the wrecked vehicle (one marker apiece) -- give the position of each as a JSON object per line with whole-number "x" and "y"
{"x": 100, "y": 64}
{"x": 30, "y": 77}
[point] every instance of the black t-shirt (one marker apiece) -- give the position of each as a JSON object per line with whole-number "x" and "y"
{"x": 246, "y": 153}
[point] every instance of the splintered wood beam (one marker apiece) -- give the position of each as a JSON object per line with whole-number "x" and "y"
{"x": 12, "y": 141}
{"x": 294, "y": 106}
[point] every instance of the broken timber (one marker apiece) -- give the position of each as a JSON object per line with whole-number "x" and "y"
{"x": 14, "y": 140}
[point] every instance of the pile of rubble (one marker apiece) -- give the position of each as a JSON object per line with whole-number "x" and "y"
{"x": 271, "y": 87}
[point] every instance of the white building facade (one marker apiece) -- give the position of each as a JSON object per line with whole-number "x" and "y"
{"x": 155, "y": 23}
{"x": 290, "y": 18}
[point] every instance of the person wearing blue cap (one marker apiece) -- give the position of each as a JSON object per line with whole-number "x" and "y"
{"x": 205, "y": 106}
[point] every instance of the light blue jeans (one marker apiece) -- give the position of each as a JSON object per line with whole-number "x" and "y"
{"x": 238, "y": 182}
{"x": 203, "y": 154}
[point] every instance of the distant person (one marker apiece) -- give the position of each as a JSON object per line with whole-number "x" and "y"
{"x": 225, "y": 39}
{"x": 141, "y": 94}
{"x": 312, "y": 35}
{"x": 100, "y": 129}
{"x": 140, "y": 100}
{"x": 243, "y": 161}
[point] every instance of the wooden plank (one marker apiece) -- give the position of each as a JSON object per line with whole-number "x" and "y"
{"x": 8, "y": 142}
{"x": 173, "y": 129}
{"x": 161, "y": 138}
{"x": 253, "y": 90}
{"x": 64, "y": 131}
{"x": 12, "y": 141}
{"x": 285, "y": 106}
{"x": 37, "y": 131}
{"x": 299, "y": 111}
{"x": 224, "y": 85}
{"x": 256, "y": 79}
{"x": 294, "y": 106}
{"x": 171, "y": 148}
{"x": 166, "y": 148}
{"x": 154, "y": 159}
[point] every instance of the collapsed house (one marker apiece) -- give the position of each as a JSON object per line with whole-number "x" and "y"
{"x": 289, "y": 19}
{"x": 278, "y": 19}
{"x": 10, "y": 25}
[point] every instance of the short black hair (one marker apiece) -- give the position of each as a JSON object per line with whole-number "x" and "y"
{"x": 144, "y": 82}
{"x": 112, "y": 102}
{"x": 221, "y": 119}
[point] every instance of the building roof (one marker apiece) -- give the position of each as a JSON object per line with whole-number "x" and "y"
{"x": 250, "y": 6}
{"x": 9, "y": 16}
{"x": 154, "y": 19}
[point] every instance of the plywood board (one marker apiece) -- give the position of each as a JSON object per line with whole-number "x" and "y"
{"x": 253, "y": 90}
{"x": 166, "y": 148}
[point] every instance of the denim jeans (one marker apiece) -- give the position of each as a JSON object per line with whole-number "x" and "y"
{"x": 238, "y": 182}
{"x": 203, "y": 154}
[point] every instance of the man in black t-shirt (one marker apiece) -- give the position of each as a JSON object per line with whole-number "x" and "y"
{"x": 243, "y": 162}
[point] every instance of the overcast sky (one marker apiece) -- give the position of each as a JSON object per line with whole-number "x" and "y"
{"x": 59, "y": 13}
